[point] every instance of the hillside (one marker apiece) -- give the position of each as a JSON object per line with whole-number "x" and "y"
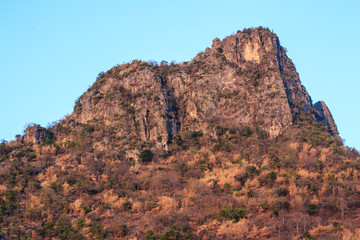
{"x": 226, "y": 146}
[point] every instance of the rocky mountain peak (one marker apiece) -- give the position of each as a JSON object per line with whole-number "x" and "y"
{"x": 246, "y": 79}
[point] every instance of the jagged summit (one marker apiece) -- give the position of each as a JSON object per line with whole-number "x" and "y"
{"x": 245, "y": 79}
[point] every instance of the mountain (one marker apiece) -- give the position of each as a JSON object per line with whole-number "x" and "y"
{"x": 226, "y": 146}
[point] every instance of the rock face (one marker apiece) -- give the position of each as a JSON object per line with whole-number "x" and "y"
{"x": 245, "y": 79}
{"x": 322, "y": 114}
{"x": 36, "y": 134}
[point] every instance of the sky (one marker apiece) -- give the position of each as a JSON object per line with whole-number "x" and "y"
{"x": 52, "y": 51}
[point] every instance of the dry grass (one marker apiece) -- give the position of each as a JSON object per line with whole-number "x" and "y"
{"x": 222, "y": 175}
{"x": 231, "y": 230}
{"x": 349, "y": 235}
{"x": 167, "y": 204}
{"x": 3, "y": 189}
{"x": 321, "y": 230}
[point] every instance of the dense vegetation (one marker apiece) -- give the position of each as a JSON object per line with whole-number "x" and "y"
{"x": 240, "y": 184}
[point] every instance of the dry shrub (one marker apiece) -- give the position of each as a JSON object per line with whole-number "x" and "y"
{"x": 303, "y": 173}
{"x": 324, "y": 153}
{"x": 296, "y": 202}
{"x": 253, "y": 183}
{"x": 35, "y": 202}
{"x": 304, "y": 154}
{"x": 223, "y": 175}
{"x": 292, "y": 187}
{"x": 110, "y": 197}
{"x": 160, "y": 221}
{"x": 231, "y": 230}
{"x": 34, "y": 208}
{"x": 260, "y": 233}
{"x": 167, "y": 203}
{"x": 119, "y": 203}
{"x": 241, "y": 201}
{"x": 137, "y": 207}
{"x": 49, "y": 177}
{"x": 206, "y": 229}
{"x": 197, "y": 187}
{"x": 75, "y": 206}
{"x": 66, "y": 188}
{"x": 118, "y": 229}
{"x": 171, "y": 159}
{"x": 51, "y": 150}
{"x": 349, "y": 235}
{"x": 3, "y": 189}
{"x": 164, "y": 183}
{"x": 319, "y": 230}
{"x": 294, "y": 145}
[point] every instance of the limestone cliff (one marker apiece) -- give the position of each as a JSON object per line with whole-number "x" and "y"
{"x": 245, "y": 79}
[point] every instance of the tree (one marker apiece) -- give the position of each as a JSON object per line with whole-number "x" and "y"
{"x": 146, "y": 156}
{"x": 246, "y": 131}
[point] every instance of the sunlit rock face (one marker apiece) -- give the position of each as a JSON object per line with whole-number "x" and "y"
{"x": 244, "y": 79}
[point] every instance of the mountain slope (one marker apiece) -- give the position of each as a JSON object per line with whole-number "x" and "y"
{"x": 226, "y": 146}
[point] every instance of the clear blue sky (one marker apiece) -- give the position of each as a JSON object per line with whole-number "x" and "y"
{"x": 51, "y": 51}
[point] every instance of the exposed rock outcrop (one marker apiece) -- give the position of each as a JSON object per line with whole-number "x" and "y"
{"x": 36, "y": 134}
{"x": 245, "y": 79}
{"x": 322, "y": 114}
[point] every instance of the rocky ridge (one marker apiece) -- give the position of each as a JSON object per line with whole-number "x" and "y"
{"x": 245, "y": 79}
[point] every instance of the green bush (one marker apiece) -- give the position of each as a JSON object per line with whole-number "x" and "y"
{"x": 262, "y": 134}
{"x": 307, "y": 236}
{"x": 272, "y": 176}
{"x": 234, "y": 214}
{"x": 221, "y": 130}
{"x": 86, "y": 186}
{"x": 150, "y": 235}
{"x": 246, "y": 131}
{"x": 127, "y": 205}
{"x": 280, "y": 205}
{"x": 242, "y": 178}
{"x": 97, "y": 230}
{"x": 251, "y": 170}
{"x": 181, "y": 168}
{"x": 282, "y": 192}
{"x": 118, "y": 230}
{"x": 85, "y": 208}
{"x": 146, "y": 156}
{"x": 80, "y": 223}
{"x": 89, "y": 128}
{"x": 195, "y": 134}
{"x": 11, "y": 195}
{"x": 175, "y": 231}
{"x": 275, "y": 163}
{"x": 313, "y": 209}
{"x": 65, "y": 232}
